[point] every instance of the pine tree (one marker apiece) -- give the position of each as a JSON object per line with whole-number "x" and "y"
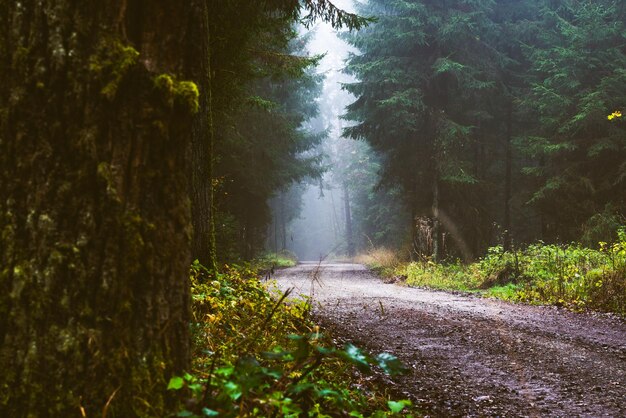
{"x": 578, "y": 66}
{"x": 423, "y": 71}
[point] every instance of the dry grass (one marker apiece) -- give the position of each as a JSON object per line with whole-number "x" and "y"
{"x": 380, "y": 259}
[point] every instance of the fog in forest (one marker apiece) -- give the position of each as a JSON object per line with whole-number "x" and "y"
{"x": 318, "y": 231}
{"x": 461, "y": 144}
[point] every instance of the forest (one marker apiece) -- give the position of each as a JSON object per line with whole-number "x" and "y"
{"x": 160, "y": 162}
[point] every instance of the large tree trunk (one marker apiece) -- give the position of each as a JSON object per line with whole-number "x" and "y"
{"x": 198, "y": 64}
{"x": 94, "y": 207}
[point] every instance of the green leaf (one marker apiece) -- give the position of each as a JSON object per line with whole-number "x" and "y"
{"x": 328, "y": 393}
{"x": 175, "y": 383}
{"x": 273, "y": 355}
{"x": 398, "y": 406}
{"x": 325, "y": 351}
{"x": 209, "y": 412}
{"x": 390, "y": 364}
{"x": 185, "y": 413}
{"x": 225, "y": 371}
{"x": 273, "y": 373}
{"x": 355, "y": 356}
{"x": 233, "y": 390}
{"x": 196, "y": 388}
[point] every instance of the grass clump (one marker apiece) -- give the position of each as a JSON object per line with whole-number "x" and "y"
{"x": 382, "y": 260}
{"x": 255, "y": 355}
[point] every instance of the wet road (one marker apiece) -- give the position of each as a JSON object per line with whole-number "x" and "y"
{"x": 470, "y": 356}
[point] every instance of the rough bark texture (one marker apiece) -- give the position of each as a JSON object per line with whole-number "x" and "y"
{"x": 198, "y": 66}
{"x": 94, "y": 208}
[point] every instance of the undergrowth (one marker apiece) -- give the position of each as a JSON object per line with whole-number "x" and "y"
{"x": 568, "y": 275}
{"x": 276, "y": 260}
{"x": 451, "y": 276}
{"x": 255, "y": 355}
{"x": 563, "y": 275}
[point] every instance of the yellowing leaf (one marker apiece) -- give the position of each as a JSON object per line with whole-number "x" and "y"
{"x": 616, "y": 114}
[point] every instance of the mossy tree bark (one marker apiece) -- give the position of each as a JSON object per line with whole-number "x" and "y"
{"x": 94, "y": 205}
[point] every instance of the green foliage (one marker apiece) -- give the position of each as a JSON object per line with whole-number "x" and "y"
{"x": 451, "y": 276}
{"x": 255, "y": 355}
{"x": 276, "y": 260}
{"x": 507, "y": 292}
{"x": 575, "y": 78}
{"x": 430, "y": 101}
{"x": 263, "y": 96}
{"x": 564, "y": 275}
{"x": 511, "y": 109}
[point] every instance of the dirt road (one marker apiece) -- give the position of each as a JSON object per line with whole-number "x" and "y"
{"x": 470, "y": 356}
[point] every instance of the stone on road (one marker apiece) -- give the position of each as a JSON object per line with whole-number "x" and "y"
{"x": 470, "y": 356}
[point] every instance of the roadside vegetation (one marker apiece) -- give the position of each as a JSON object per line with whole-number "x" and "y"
{"x": 270, "y": 260}
{"x": 563, "y": 275}
{"x": 255, "y": 353}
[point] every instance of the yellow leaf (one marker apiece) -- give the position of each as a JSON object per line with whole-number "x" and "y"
{"x": 616, "y": 114}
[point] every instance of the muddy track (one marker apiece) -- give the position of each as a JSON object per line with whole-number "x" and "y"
{"x": 470, "y": 356}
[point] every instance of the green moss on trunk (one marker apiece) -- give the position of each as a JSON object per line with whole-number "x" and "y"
{"x": 94, "y": 207}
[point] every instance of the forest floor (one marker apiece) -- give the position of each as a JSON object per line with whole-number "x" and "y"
{"x": 471, "y": 356}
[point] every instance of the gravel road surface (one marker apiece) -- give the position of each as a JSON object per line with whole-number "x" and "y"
{"x": 471, "y": 356}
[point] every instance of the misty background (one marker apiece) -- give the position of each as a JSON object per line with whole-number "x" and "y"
{"x": 315, "y": 219}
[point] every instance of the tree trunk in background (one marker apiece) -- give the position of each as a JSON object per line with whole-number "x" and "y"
{"x": 348, "y": 214}
{"x": 283, "y": 224}
{"x": 335, "y": 219}
{"x": 436, "y": 223}
{"x": 198, "y": 64}
{"x": 94, "y": 206}
{"x": 417, "y": 250}
{"x": 414, "y": 239}
{"x": 508, "y": 178}
{"x": 275, "y": 233}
